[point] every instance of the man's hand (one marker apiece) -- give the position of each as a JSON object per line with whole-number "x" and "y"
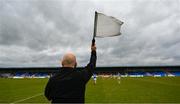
{"x": 93, "y": 47}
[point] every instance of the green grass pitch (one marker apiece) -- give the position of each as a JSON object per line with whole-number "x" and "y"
{"x": 107, "y": 90}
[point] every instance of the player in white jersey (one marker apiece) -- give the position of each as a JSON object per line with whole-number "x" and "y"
{"x": 119, "y": 78}
{"x": 94, "y": 78}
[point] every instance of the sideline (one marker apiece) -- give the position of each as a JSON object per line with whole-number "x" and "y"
{"x": 21, "y": 100}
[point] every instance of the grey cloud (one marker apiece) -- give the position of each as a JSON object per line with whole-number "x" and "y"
{"x": 38, "y": 23}
{"x": 38, "y": 33}
{"x": 150, "y": 33}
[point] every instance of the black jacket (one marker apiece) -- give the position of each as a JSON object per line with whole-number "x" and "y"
{"x": 68, "y": 86}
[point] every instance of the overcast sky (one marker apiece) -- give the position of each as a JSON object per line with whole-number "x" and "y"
{"x": 39, "y": 32}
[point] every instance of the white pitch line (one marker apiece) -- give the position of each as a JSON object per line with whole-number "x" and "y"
{"x": 27, "y": 98}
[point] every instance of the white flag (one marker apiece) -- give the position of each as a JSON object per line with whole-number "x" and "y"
{"x": 106, "y": 26}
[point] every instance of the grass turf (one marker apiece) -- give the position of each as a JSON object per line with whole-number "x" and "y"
{"x": 107, "y": 90}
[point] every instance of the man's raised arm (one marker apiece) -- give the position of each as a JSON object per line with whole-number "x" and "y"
{"x": 89, "y": 69}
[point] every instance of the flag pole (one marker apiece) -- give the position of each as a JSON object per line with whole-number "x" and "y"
{"x": 95, "y": 25}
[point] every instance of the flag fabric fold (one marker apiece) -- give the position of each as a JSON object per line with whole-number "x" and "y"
{"x": 106, "y": 26}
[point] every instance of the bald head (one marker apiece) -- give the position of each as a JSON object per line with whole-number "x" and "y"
{"x": 69, "y": 60}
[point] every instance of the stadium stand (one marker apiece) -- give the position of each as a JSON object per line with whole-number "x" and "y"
{"x": 132, "y": 71}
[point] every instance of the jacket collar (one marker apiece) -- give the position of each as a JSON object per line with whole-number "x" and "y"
{"x": 66, "y": 69}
